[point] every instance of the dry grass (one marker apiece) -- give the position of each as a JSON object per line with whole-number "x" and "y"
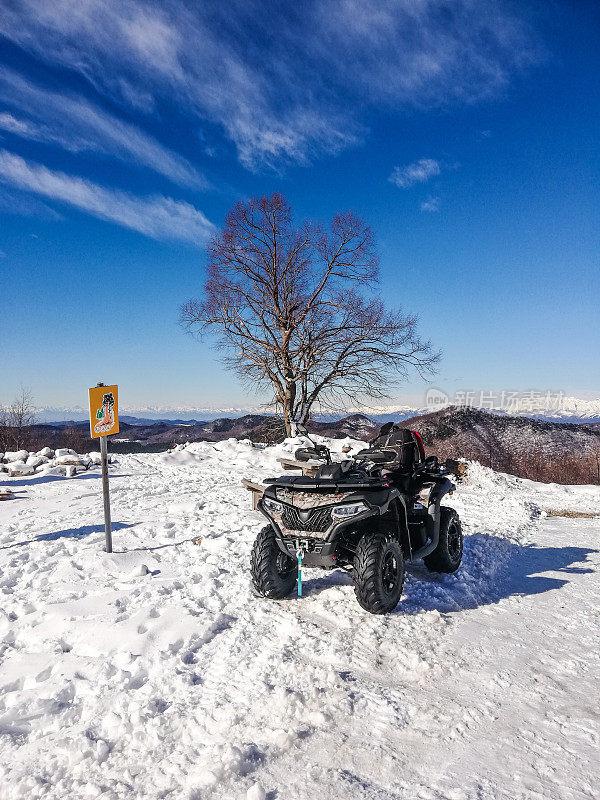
{"x": 553, "y": 512}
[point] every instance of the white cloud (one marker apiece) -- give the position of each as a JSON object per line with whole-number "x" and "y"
{"x": 13, "y": 125}
{"x": 24, "y": 205}
{"x": 76, "y": 125}
{"x": 290, "y": 86}
{"x": 431, "y": 204}
{"x": 156, "y": 216}
{"x": 418, "y": 172}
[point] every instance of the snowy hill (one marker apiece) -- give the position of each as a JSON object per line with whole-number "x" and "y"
{"x": 550, "y": 451}
{"x": 155, "y": 673}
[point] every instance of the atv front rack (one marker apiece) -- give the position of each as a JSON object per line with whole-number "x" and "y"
{"x": 350, "y": 485}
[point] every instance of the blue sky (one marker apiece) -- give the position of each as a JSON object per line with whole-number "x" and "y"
{"x": 465, "y": 133}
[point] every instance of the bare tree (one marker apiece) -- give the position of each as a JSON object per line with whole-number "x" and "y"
{"x": 76, "y": 437}
{"x": 17, "y": 420}
{"x": 4, "y": 429}
{"x": 290, "y": 310}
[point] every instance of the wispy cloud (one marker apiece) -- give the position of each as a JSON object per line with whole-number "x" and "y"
{"x": 24, "y": 205}
{"x": 418, "y": 172}
{"x": 77, "y": 125}
{"x": 156, "y": 216}
{"x": 18, "y": 126}
{"x": 2, "y": 254}
{"x": 431, "y": 204}
{"x": 289, "y": 95}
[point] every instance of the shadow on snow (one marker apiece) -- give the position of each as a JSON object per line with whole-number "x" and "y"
{"x": 25, "y": 481}
{"x": 80, "y": 476}
{"x": 69, "y": 533}
{"x": 493, "y": 568}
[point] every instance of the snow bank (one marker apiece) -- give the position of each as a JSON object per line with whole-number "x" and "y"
{"x": 16, "y": 468}
{"x": 36, "y": 461}
{"x": 46, "y": 462}
{"x": 17, "y": 455}
{"x": 65, "y": 451}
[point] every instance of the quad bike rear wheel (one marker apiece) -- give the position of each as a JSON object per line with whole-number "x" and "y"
{"x": 378, "y": 572}
{"x": 274, "y": 574}
{"x": 448, "y": 554}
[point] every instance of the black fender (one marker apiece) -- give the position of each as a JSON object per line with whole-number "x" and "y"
{"x": 432, "y": 522}
{"x": 397, "y": 505}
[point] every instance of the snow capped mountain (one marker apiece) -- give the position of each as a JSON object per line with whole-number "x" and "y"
{"x": 556, "y": 408}
{"x": 527, "y": 404}
{"x": 154, "y": 413}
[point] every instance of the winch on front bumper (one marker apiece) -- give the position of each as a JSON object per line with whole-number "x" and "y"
{"x": 315, "y": 552}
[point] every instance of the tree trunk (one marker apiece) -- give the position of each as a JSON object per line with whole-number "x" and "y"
{"x": 303, "y": 413}
{"x": 287, "y": 421}
{"x": 288, "y": 401}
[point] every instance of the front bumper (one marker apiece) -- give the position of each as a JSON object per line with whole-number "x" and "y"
{"x": 315, "y": 552}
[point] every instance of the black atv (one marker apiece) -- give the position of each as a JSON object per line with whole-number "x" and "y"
{"x": 367, "y": 514}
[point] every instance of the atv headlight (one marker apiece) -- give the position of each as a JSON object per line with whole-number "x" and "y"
{"x": 343, "y": 512}
{"x": 272, "y": 505}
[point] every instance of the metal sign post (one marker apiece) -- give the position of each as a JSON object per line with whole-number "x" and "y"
{"x": 104, "y": 420}
{"x": 107, "y": 527}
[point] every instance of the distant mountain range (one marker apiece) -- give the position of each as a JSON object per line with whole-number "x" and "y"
{"x": 157, "y": 435}
{"x": 559, "y": 409}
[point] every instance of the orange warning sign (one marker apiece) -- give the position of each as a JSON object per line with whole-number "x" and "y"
{"x": 104, "y": 411}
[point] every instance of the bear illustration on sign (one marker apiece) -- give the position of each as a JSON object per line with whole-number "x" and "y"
{"x": 105, "y": 414}
{"x": 104, "y": 410}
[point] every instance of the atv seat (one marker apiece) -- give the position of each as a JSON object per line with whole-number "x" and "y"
{"x": 410, "y": 454}
{"x": 403, "y": 449}
{"x": 405, "y": 452}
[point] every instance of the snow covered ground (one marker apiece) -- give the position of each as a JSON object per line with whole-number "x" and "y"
{"x": 155, "y": 673}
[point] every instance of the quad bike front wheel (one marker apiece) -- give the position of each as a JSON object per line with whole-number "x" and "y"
{"x": 274, "y": 574}
{"x": 448, "y": 554}
{"x": 378, "y": 572}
